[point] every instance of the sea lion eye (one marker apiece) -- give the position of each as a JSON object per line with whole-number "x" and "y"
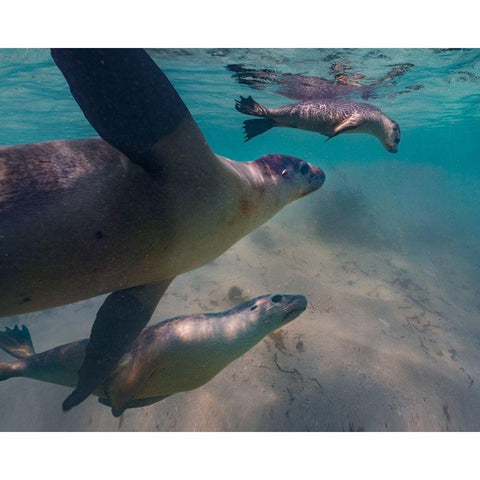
{"x": 253, "y": 308}
{"x": 284, "y": 172}
{"x": 276, "y": 298}
{"x": 304, "y": 169}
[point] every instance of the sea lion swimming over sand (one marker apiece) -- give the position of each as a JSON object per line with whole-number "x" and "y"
{"x": 176, "y": 355}
{"x": 129, "y": 212}
{"x": 328, "y": 117}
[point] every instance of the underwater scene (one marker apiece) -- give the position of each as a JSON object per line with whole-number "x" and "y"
{"x": 262, "y": 240}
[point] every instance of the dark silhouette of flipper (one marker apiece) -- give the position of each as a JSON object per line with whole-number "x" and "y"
{"x": 119, "y": 321}
{"x": 252, "y": 128}
{"x": 131, "y": 104}
{"x": 124, "y": 96}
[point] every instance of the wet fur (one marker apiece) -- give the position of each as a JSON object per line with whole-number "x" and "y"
{"x": 78, "y": 219}
{"x": 328, "y": 117}
{"x": 178, "y": 354}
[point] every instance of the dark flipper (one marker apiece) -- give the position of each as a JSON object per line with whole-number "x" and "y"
{"x": 252, "y": 128}
{"x": 144, "y": 402}
{"x": 17, "y": 342}
{"x": 126, "y": 98}
{"x": 119, "y": 321}
{"x": 250, "y": 107}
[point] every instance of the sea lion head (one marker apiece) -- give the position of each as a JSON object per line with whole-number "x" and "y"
{"x": 289, "y": 177}
{"x": 269, "y": 312}
{"x": 391, "y": 138}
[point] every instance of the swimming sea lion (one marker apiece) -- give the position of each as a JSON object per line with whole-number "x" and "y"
{"x": 129, "y": 212}
{"x": 176, "y": 355}
{"x": 328, "y": 117}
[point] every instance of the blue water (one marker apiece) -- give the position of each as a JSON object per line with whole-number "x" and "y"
{"x": 420, "y": 205}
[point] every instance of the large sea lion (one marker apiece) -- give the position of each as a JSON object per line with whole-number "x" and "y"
{"x": 176, "y": 355}
{"x": 129, "y": 212}
{"x": 328, "y": 117}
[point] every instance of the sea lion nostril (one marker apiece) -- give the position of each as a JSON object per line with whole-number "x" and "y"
{"x": 276, "y": 298}
{"x": 304, "y": 169}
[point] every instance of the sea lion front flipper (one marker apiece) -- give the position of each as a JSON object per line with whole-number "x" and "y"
{"x": 350, "y": 123}
{"x": 144, "y": 402}
{"x": 119, "y": 320}
{"x": 131, "y": 372}
{"x": 132, "y": 105}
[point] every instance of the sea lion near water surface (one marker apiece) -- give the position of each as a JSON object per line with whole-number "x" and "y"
{"x": 328, "y": 117}
{"x": 128, "y": 212}
{"x": 176, "y": 355}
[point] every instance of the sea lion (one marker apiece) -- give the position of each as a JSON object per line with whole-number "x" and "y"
{"x": 128, "y": 212}
{"x": 328, "y": 117}
{"x": 176, "y": 355}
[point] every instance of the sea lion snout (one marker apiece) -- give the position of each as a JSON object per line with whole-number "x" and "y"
{"x": 392, "y": 148}
{"x": 392, "y": 137}
{"x": 317, "y": 176}
{"x": 296, "y": 303}
{"x": 288, "y": 306}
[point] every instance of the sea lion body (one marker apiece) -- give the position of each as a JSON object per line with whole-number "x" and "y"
{"x": 176, "y": 355}
{"x": 79, "y": 220}
{"x": 328, "y": 117}
{"x": 129, "y": 212}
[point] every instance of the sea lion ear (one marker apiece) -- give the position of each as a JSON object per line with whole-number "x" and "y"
{"x": 350, "y": 123}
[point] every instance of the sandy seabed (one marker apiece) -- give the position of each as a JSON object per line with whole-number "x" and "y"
{"x": 389, "y": 341}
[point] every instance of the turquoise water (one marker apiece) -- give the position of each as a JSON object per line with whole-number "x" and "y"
{"x": 418, "y": 210}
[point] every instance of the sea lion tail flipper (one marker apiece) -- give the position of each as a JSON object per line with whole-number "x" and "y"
{"x": 252, "y": 128}
{"x": 250, "y": 107}
{"x": 119, "y": 321}
{"x": 143, "y": 402}
{"x": 17, "y": 342}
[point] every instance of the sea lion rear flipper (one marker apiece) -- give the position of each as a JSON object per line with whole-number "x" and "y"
{"x": 119, "y": 320}
{"x": 132, "y": 105}
{"x": 252, "y": 128}
{"x": 17, "y": 342}
{"x": 144, "y": 402}
{"x": 350, "y": 123}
